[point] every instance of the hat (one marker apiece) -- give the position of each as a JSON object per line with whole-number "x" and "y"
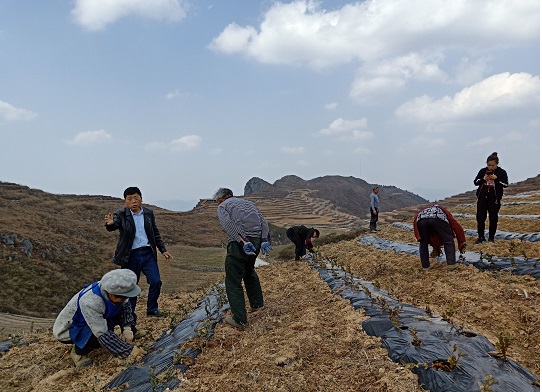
{"x": 120, "y": 282}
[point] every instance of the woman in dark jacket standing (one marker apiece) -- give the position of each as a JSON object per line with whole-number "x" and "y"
{"x": 491, "y": 181}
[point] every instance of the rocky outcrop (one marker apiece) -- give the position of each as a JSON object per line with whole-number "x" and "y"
{"x": 255, "y": 185}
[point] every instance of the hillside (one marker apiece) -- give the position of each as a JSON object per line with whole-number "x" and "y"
{"x": 345, "y": 200}
{"x": 51, "y": 244}
{"x": 309, "y": 338}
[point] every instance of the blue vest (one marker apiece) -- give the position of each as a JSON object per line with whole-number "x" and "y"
{"x": 80, "y": 332}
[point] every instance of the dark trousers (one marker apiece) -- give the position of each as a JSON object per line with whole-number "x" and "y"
{"x": 93, "y": 342}
{"x": 428, "y": 226}
{"x": 240, "y": 269}
{"x": 487, "y": 204}
{"x": 374, "y": 219}
{"x": 142, "y": 261}
{"x": 299, "y": 243}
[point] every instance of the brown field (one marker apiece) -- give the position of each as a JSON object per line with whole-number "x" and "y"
{"x": 308, "y": 338}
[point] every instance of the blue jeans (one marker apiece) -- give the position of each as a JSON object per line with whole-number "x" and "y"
{"x": 142, "y": 261}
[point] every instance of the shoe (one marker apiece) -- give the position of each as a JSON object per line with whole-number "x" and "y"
{"x": 156, "y": 313}
{"x": 480, "y": 240}
{"x": 230, "y": 320}
{"x": 451, "y": 267}
{"x": 252, "y": 309}
{"x": 80, "y": 360}
{"x": 491, "y": 240}
{"x": 373, "y": 230}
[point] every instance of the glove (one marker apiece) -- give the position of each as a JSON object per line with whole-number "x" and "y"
{"x": 127, "y": 335}
{"x": 266, "y": 248}
{"x": 462, "y": 247}
{"x": 315, "y": 250}
{"x": 249, "y": 249}
{"x": 137, "y": 352}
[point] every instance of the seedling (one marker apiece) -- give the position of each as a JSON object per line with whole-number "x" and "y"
{"x": 505, "y": 340}
{"x": 415, "y": 340}
{"x": 488, "y": 382}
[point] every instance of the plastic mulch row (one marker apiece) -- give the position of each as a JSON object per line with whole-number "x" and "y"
{"x": 499, "y": 234}
{"x": 515, "y": 265}
{"x": 445, "y": 357}
{"x": 166, "y": 353}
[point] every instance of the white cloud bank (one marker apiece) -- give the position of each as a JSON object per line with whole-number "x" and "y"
{"x": 301, "y": 33}
{"x": 11, "y": 113}
{"x": 95, "y": 15}
{"x": 495, "y": 94}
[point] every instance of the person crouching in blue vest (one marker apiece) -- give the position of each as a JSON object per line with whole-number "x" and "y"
{"x": 89, "y": 319}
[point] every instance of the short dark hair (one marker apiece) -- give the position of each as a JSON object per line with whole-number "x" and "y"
{"x": 317, "y": 233}
{"x": 132, "y": 190}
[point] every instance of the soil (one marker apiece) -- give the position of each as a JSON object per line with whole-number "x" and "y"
{"x": 308, "y": 338}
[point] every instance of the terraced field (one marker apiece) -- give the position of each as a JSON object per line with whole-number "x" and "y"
{"x": 308, "y": 338}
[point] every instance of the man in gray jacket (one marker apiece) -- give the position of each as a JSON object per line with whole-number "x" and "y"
{"x": 89, "y": 319}
{"x": 375, "y": 205}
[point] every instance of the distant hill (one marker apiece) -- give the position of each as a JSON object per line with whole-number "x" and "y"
{"x": 343, "y": 199}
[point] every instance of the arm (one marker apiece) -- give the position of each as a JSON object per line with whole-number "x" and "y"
{"x": 265, "y": 227}
{"x": 416, "y": 232}
{"x": 503, "y": 178}
{"x": 112, "y": 221}
{"x": 93, "y": 308}
{"x": 157, "y": 237}
{"x": 479, "y": 180}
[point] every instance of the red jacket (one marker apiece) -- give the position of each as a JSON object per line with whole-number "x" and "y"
{"x": 434, "y": 239}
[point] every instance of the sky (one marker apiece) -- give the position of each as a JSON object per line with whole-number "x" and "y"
{"x": 181, "y": 97}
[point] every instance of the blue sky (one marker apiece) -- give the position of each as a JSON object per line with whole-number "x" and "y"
{"x": 182, "y": 97}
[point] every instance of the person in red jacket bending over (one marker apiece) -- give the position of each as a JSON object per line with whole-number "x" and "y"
{"x": 436, "y": 226}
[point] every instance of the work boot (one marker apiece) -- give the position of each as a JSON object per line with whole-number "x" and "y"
{"x": 480, "y": 240}
{"x": 80, "y": 360}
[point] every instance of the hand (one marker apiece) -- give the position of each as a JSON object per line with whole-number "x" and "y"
{"x": 462, "y": 247}
{"x": 167, "y": 256}
{"x": 249, "y": 249}
{"x": 137, "y": 352}
{"x": 315, "y": 250}
{"x": 127, "y": 335}
{"x": 108, "y": 218}
{"x": 266, "y": 248}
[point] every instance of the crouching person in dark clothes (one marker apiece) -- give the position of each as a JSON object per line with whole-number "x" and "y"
{"x": 302, "y": 238}
{"x": 248, "y": 232}
{"x": 89, "y": 319}
{"x": 436, "y": 226}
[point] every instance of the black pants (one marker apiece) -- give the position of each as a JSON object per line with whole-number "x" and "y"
{"x": 487, "y": 204}
{"x": 93, "y": 342}
{"x": 298, "y": 242}
{"x": 443, "y": 229}
{"x": 374, "y": 219}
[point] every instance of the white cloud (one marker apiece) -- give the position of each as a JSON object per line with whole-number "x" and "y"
{"x": 303, "y": 33}
{"x": 11, "y": 113}
{"x": 331, "y": 106}
{"x": 484, "y": 141}
{"x": 90, "y": 137}
{"x": 95, "y": 15}
{"x": 379, "y": 79}
{"x": 347, "y": 130}
{"x": 184, "y": 143}
{"x": 493, "y": 95}
{"x": 292, "y": 150}
{"x": 513, "y": 136}
{"x": 173, "y": 94}
{"x": 429, "y": 145}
